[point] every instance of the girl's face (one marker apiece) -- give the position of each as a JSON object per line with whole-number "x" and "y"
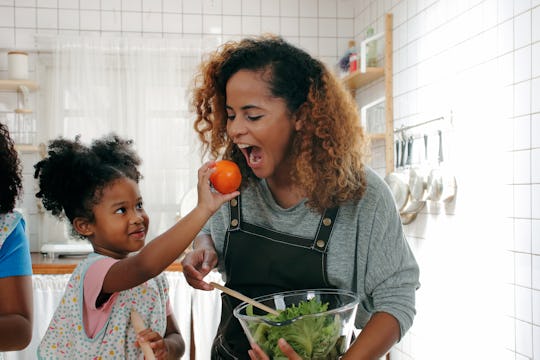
{"x": 120, "y": 224}
{"x": 259, "y": 124}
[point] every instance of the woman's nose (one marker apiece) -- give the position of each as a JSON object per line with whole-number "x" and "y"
{"x": 236, "y": 128}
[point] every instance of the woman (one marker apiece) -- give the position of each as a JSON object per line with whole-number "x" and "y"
{"x": 15, "y": 265}
{"x": 310, "y": 213}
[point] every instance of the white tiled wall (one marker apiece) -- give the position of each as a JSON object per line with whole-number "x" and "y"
{"x": 322, "y": 27}
{"x": 479, "y": 255}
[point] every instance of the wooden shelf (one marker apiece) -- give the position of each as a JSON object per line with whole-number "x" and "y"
{"x": 378, "y": 136}
{"x": 23, "y": 111}
{"x": 13, "y": 85}
{"x": 25, "y": 148}
{"x": 358, "y": 79}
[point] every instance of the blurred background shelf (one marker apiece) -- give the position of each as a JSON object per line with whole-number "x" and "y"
{"x": 359, "y": 79}
{"x": 13, "y": 85}
{"x": 378, "y": 136}
{"x": 26, "y": 148}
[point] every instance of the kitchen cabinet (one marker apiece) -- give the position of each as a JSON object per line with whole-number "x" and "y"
{"x": 361, "y": 78}
{"x": 20, "y": 120}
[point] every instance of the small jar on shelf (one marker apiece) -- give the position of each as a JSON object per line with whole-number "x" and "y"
{"x": 353, "y": 57}
{"x": 371, "y": 49}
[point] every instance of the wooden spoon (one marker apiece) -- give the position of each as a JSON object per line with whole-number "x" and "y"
{"x": 242, "y": 297}
{"x": 138, "y": 325}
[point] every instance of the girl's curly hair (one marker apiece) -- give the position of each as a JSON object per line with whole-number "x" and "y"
{"x": 330, "y": 147}
{"x": 72, "y": 175}
{"x": 10, "y": 173}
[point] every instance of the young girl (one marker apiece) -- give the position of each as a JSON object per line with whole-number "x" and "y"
{"x": 96, "y": 188}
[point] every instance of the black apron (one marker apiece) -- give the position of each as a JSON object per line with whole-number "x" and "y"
{"x": 260, "y": 261}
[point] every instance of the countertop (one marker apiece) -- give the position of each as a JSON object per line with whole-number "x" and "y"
{"x": 42, "y": 264}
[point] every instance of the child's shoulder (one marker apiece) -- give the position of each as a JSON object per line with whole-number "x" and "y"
{"x": 8, "y": 222}
{"x": 82, "y": 267}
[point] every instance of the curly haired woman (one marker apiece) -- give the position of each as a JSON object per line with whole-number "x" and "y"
{"x": 311, "y": 214}
{"x": 15, "y": 265}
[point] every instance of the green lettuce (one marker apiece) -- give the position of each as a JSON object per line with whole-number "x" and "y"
{"x": 313, "y": 337}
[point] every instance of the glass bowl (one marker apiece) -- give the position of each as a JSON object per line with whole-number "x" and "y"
{"x": 325, "y": 333}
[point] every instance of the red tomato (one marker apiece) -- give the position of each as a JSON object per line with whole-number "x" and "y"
{"x": 227, "y": 177}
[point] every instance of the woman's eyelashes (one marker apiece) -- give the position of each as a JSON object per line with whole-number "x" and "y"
{"x": 231, "y": 117}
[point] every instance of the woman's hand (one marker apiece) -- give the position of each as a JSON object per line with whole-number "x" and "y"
{"x": 156, "y": 342}
{"x": 197, "y": 264}
{"x": 256, "y": 352}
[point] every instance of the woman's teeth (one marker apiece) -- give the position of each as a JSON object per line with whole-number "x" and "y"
{"x": 254, "y": 156}
{"x": 252, "y": 152}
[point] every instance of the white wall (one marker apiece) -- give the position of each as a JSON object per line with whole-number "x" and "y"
{"x": 479, "y": 255}
{"x": 321, "y": 27}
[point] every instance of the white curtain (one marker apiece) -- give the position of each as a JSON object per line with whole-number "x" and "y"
{"x": 137, "y": 88}
{"x": 180, "y": 296}
{"x": 206, "y": 312}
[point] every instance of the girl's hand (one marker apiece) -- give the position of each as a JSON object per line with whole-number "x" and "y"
{"x": 155, "y": 341}
{"x": 257, "y": 354}
{"x": 208, "y": 199}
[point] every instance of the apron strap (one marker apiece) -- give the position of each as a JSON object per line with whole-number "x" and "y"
{"x": 234, "y": 208}
{"x": 325, "y": 229}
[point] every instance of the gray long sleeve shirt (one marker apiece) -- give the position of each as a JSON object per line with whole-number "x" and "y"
{"x": 367, "y": 251}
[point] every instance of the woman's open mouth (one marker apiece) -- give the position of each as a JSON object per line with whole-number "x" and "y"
{"x": 253, "y": 154}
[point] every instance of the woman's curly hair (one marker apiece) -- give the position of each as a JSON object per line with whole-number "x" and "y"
{"x": 10, "y": 173}
{"x": 72, "y": 175}
{"x": 330, "y": 147}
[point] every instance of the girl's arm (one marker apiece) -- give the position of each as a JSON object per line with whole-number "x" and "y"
{"x": 167, "y": 247}
{"x": 173, "y": 339}
{"x": 15, "y": 312}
